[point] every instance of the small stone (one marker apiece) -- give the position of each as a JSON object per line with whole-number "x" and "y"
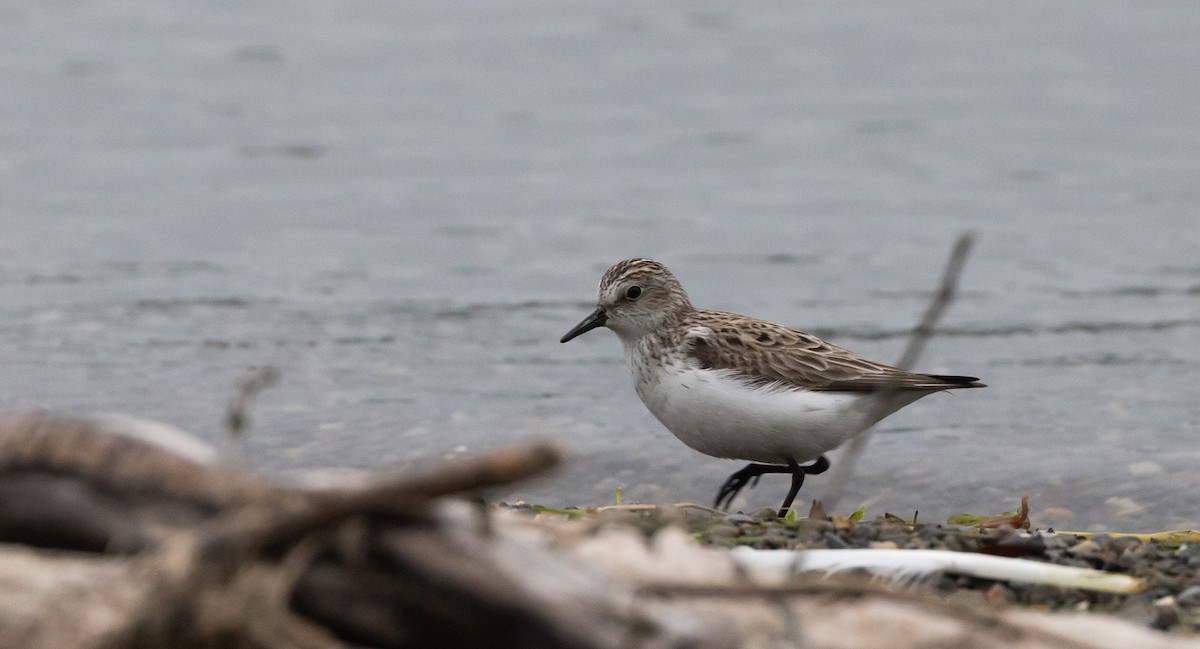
{"x": 739, "y": 519}
{"x": 1126, "y": 543}
{"x": 1088, "y": 548}
{"x": 1190, "y": 550}
{"x": 1055, "y": 541}
{"x": 882, "y": 545}
{"x": 1165, "y": 613}
{"x": 999, "y": 596}
{"x": 1189, "y": 597}
{"x": 765, "y": 514}
{"x": 835, "y": 542}
{"x": 862, "y": 533}
{"x": 953, "y": 543}
{"x": 931, "y": 533}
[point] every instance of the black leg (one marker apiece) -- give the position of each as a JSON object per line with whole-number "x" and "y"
{"x": 750, "y": 475}
{"x": 740, "y": 479}
{"x": 797, "y": 481}
{"x": 821, "y": 465}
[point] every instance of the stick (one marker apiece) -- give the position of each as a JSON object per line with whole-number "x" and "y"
{"x": 237, "y": 416}
{"x": 258, "y": 526}
{"x": 916, "y": 344}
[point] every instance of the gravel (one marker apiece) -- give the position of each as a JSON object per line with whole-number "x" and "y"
{"x": 1170, "y": 568}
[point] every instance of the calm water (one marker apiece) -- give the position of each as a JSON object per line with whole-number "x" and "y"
{"x": 404, "y": 207}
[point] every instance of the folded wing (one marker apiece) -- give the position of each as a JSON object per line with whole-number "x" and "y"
{"x": 767, "y": 353}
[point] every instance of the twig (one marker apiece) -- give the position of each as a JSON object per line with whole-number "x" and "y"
{"x": 256, "y": 527}
{"x": 217, "y": 561}
{"x": 237, "y": 416}
{"x": 651, "y": 506}
{"x": 941, "y": 300}
{"x": 844, "y": 470}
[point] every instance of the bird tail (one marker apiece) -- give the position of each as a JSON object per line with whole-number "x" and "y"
{"x": 955, "y": 382}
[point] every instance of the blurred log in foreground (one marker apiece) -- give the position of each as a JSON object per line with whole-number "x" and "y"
{"x": 113, "y": 542}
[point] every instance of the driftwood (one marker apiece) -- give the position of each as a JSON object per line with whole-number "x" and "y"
{"x": 69, "y": 485}
{"x": 114, "y": 542}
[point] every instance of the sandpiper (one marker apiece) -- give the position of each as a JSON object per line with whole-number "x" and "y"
{"x": 733, "y": 386}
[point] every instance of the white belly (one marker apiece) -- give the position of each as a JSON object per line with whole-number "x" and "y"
{"x": 719, "y": 415}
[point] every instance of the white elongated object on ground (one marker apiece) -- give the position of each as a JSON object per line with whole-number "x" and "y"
{"x": 915, "y": 564}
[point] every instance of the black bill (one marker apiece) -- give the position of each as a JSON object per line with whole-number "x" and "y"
{"x": 597, "y": 319}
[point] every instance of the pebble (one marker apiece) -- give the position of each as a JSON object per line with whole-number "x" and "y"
{"x": 739, "y": 519}
{"x": 1056, "y": 541}
{"x": 1088, "y": 548}
{"x": 765, "y": 514}
{"x": 999, "y": 596}
{"x": 862, "y": 534}
{"x": 1126, "y": 543}
{"x": 1190, "y": 553}
{"x": 835, "y": 541}
{"x": 1189, "y": 597}
{"x": 1165, "y": 613}
{"x": 931, "y": 532}
{"x": 953, "y": 543}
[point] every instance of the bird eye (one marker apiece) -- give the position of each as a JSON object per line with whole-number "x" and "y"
{"x": 633, "y": 293}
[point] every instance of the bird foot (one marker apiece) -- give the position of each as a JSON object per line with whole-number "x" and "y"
{"x": 748, "y": 476}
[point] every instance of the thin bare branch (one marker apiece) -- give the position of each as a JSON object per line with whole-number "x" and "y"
{"x": 237, "y": 416}
{"x": 256, "y": 527}
{"x": 844, "y": 469}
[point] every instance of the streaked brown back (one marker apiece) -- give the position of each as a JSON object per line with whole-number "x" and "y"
{"x": 768, "y": 353}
